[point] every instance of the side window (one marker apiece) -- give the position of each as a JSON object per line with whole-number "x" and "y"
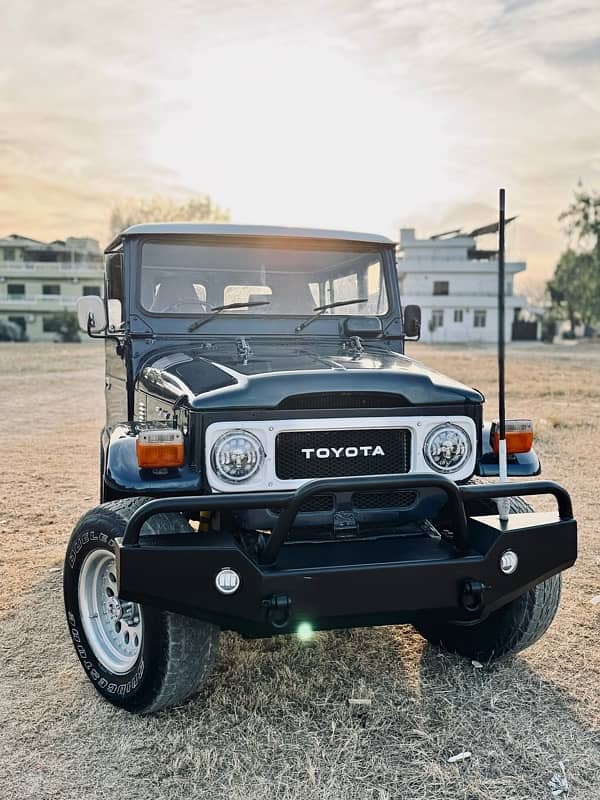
{"x": 316, "y": 291}
{"x": 115, "y": 291}
{"x": 200, "y": 290}
{"x": 376, "y": 290}
{"x": 345, "y": 288}
{"x": 238, "y": 293}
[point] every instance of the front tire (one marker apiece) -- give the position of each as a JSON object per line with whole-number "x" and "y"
{"x": 138, "y": 657}
{"x": 509, "y": 629}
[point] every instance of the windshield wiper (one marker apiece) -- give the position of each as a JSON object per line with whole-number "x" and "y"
{"x": 322, "y": 309}
{"x": 217, "y": 310}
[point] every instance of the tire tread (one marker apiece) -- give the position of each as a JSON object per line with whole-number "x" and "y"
{"x": 188, "y": 646}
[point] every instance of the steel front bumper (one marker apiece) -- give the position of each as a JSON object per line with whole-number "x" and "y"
{"x": 346, "y": 583}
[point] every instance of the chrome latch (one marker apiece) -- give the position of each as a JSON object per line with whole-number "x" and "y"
{"x": 244, "y": 350}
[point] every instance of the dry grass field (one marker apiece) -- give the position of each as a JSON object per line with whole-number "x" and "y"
{"x": 275, "y": 721}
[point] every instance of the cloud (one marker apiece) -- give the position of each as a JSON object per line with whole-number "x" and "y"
{"x": 339, "y": 112}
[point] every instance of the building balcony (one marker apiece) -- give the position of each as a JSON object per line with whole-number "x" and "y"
{"x": 416, "y": 265}
{"x": 51, "y": 269}
{"x": 37, "y": 302}
{"x": 478, "y": 300}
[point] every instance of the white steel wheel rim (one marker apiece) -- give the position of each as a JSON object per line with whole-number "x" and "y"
{"x": 112, "y": 627}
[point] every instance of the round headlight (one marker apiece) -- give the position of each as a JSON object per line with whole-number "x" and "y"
{"x": 237, "y": 456}
{"x": 447, "y": 448}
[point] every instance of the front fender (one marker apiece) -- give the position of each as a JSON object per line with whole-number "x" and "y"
{"x": 123, "y": 476}
{"x": 520, "y": 465}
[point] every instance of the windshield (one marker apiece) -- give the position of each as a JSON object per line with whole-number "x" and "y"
{"x": 193, "y": 279}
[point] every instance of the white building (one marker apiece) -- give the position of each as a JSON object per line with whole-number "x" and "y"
{"x": 38, "y": 279}
{"x": 456, "y": 286}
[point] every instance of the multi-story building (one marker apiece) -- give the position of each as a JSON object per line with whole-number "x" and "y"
{"x": 456, "y": 285}
{"x": 39, "y": 279}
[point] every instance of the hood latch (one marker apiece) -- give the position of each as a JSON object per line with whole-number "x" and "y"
{"x": 244, "y": 350}
{"x": 354, "y": 347}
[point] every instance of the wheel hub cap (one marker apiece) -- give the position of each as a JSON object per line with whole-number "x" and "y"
{"x": 112, "y": 627}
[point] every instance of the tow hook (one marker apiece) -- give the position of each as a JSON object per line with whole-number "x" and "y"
{"x": 278, "y": 609}
{"x": 471, "y": 595}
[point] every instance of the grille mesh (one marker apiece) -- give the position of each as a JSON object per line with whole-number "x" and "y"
{"x": 291, "y": 463}
{"x": 318, "y": 502}
{"x": 360, "y": 501}
{"x": 398, "y": 499}
{"x": 327, "y": 400}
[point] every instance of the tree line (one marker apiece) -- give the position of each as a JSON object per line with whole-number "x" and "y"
{"x": 574, "y": 290}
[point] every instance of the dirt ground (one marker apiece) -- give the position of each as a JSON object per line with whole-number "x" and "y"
{"x": 274, "y": 720}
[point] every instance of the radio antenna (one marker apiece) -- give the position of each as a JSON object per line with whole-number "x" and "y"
{"x": 503, "y": 502}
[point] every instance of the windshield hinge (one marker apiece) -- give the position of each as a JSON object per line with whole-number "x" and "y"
{"x": 244, "y": 350}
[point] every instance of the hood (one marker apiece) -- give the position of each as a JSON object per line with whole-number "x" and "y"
{"x": 226, "y": 377}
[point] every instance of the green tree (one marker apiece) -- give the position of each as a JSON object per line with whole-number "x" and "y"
{"x": 65, "y": 324}
{"x": 200, "y": 208}
{"x": 582, "y": 218}
{"x": 575, "y": 288}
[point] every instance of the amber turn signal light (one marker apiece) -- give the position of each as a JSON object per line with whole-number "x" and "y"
{"x": 159, "y": 448}
{"x": 519, "y": 436}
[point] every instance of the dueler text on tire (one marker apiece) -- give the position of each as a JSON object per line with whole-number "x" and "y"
{"x": 139, "y": 658}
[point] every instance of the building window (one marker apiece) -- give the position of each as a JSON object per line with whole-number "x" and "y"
{"x": 16, "y": 289}
{"x": 441, "y": 287}
{"x": 91, "y": 290}
{"x": 437, "y": 318}
{"x": 479, "y": 318}
{"x": 458, "y": 315}
{"x": 9, "y": 253}
{"x": 51, "y": 288}
{"x": 48, "y": 325}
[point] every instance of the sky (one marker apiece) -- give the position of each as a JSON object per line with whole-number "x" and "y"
{"x": 369, "y": 115}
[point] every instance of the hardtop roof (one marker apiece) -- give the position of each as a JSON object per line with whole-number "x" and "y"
{"x": 218, "y": 229}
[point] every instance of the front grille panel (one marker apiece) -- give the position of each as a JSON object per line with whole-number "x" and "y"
{"x": 319, "y": 460}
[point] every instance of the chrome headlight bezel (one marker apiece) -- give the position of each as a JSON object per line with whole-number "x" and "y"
{"x": 456, "y": 431}
{"x": 255, "y": 446}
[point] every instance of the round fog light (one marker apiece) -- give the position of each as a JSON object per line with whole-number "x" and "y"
{"x": 227, "y": 581}
{"x": 509, "y": 561}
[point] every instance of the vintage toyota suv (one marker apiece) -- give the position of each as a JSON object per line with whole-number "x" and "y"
{"x": 272, "y": 462}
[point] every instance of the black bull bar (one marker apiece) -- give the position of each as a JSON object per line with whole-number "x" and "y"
{"x": 346, "y": 583}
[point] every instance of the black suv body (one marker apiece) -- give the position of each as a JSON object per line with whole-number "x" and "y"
{"x": 324, "y": 478}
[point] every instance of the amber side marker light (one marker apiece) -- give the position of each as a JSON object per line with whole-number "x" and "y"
{"x": 519, "y": 436}
{"x": 159, "y": 448}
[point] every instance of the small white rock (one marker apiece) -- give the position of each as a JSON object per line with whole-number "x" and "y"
{"x": 558, "y": 783}
{"x": 459, "y": 757}
{"x": 477, "y": 664}
{"x": 596, "y": 600}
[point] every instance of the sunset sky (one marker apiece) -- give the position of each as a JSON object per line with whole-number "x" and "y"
{"x": 339, "y": 113}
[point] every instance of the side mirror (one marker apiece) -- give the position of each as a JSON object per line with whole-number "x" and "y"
{"x": 364, "y": 327}
{"x": 91, "y": 314}
{"x": 412, "y": 322}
